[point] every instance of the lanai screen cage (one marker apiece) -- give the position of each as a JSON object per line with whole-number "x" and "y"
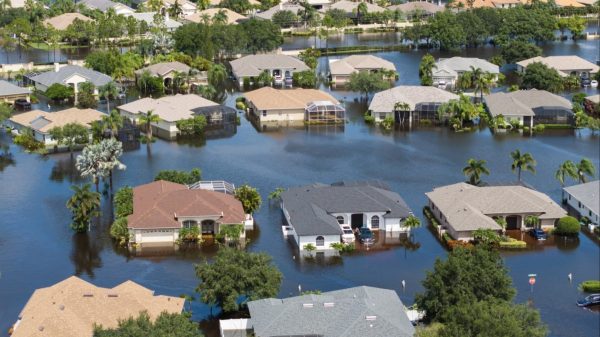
{"x": 325, "y": 112}
{"x": 217, "y": 115}
{"x": 553, "y": 115}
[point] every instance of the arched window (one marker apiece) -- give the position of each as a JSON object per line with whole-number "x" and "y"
{"x": 190, "y": 223}
{"x": 340, "y": 219}
{"x": 320, "y": 241}
{"x": 375, "y": 222}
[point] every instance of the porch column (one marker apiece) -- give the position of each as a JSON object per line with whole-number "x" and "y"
{"x": 410, "y": 118}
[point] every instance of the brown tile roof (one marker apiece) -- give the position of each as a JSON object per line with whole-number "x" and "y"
{"x": 159, "y": 204}
{"x": 268, "y": 98}
{"x": 72, "y": 307}
{"x": 59, "y": 118}
{"x": 63, "y": 21}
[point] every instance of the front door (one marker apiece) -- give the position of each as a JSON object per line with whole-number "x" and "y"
{"x": 356, "y": 220}
{"x": 208, "y": 227}
{"x": 512, "y": 222}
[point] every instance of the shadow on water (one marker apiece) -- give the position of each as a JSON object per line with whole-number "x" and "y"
{"x": 6, "y": 157}
{"x": 85, "y": 254}
{"x": 64, "y": 169}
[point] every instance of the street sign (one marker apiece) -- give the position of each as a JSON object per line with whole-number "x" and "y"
{"x": 532, "y": 281}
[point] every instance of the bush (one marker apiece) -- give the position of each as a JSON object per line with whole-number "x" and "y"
{"x": 590, "y": 286}
{"x": 539, "y": 128}
{"x": 191, "y": 234}
{"x": 192, "y": 127}
{"x": 513, "y": 243}
{"x": 240, "y": 105}
{"x": 567, "y": 226}
{"x": 123, "y": 202}
{"x": 28, "y": 141}
{"x": 453, "y": 244}
{"x": 369, "y": 119}
{"x": 180, "y": 177}
{"x": 387, "y": 123}
{"x": 231, "y": 232}
{"x": 304, "y": 79}
{"x": 430, "y": 217}
{"x": 342, "y": 247}
{"x": 59, "y": 92}
{"x": 119, "y": 231}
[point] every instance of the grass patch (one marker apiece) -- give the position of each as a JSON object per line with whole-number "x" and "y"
{"x": 512, "y": 243}
{"x": 43, "y": 46}
{"x": 590, "y": 286}
{"x": 556, "y": 126}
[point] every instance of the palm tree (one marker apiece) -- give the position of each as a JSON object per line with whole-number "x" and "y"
{"x": 401, "y": 107}
{"x": 483, "y": 84}
{"x": 113, "y": 121}
{"x": 147, "y": 119}
{"x": 111, "y": 150}
{"x": 155, "y": 5}
{"x": 566, "y": 169}
{"x": 89, "y": 163}
{"x": 176, "y": 10}
{"x": 361, "y": 10}
{"x": 217, "y": 74}
{"x": 521, "y": 162}
{"x": 84, "y": 205}
{"x": 107, "y": 91}
{"x": 532, "y": 221}
{"x": 501, "y": 221}
{"x": 412, "y": 222}
{"x": 585, "y": 168}
{"x": 220, "y": 17}
{"x": 474, "y": 169}
{"x": 426, "y": 69}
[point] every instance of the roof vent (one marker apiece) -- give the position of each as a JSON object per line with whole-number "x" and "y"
{"x": 41, "y": 328}
{"x": 113, "y": 295}
{"x": 370, "y": 318}
{"x": 61, "y": 307}
{"x": 88, "y": 295}
{"x": 328, "y": 304}
{"x": 307, "y": 305}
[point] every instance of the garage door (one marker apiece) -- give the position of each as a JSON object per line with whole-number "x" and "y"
{"x": 157, "y": 236}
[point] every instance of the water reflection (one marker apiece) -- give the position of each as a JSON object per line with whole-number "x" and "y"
{"x": 85, "y": 254}
{"x": 6, "y": 157}
{"x": 64, "y": 169}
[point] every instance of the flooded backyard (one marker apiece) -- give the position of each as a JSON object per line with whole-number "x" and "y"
{"x": 38, "y": 249}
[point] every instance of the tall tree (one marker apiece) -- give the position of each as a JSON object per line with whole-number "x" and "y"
{"x": 108, "y": 91}
{"x": 111, "y": 150}
{"x": 84, "y": 205}
{"x": 147, "y": 119}
{"x": 249, "y": 197}
{"x": 113, "y": 122}
{"x": 566, "y": 169}
{"x": 426, "y": 69}
{"x": 474, "y": 169}
{"x": 89, "y": 164}
{"x": 70, "y": 134}
{"x": 521, "y": 162}
{"x": 237, "y": 275}
{"x": 166, "y": 324}
{"x": 366, "y": 83}
{"x": 585, "y": 168}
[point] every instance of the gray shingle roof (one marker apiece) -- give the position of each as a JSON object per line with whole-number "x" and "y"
{"x": 7, "y": 89}
{"x": 253, "y": 65}
{"x": 427, "y": 7}
{"x": 345, "y": 314}
{"x": 588, "y": 194}
{"x": 462, "y": 64}
{"x": 384, "y": 101}
{"x": 523, "y": 102}
{"x": 102, "y": 5}
{"x": 163, "y": 68}
{"x": 50, "y": 77}
{"x": 268, "y": 14}
{"x": 309, "y": 207}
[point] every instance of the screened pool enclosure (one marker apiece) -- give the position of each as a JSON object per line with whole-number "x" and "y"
{"x": 324, "y": 112}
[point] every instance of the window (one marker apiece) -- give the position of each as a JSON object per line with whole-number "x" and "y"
{"x": 189, "y": 224}
{"x": 320, "y": 241}
{"x": 382, "y": 115}
{"x": 375, "y": 222}
{"x": 264, "y": 113}
{"x": 340, "y": 219}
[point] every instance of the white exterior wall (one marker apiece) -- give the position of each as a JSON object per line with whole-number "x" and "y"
{"x": 380, "y": 116}
{"x": 154, "y": 235}
{"x": 280, "y": 115}
{"x": 164, "y": 129}
{"x": 329, "y": 239}
{"x": 582, "y": 209}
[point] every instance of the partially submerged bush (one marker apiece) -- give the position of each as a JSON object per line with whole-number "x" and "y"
{"x": 567, "y": 226}
{"x": 590, "y": 286}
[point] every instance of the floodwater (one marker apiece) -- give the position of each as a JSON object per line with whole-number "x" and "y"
{"x": 37, "y": 247}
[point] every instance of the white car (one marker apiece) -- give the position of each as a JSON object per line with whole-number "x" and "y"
{"x": 594, "y": 84}
{"x": 347, "y": 234}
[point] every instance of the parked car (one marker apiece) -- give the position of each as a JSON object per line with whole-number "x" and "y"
{"x": 347, "y": 234}
{"x": 594, "y": 84}
{"x": 585, "y": 82}
{"x": 593, "y": 299}
{"x": 365, "y": 235}
{"x": 22, "y": 104}
{"x": 538, "y": 234}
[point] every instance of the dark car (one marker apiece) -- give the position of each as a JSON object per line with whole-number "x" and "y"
{"x": 586, "y": 82}
{"x": 22, "y": 104}
{"x": 538, "y": 234}
{"x": 365, "y": 235}
{"x": 593, "y": 299}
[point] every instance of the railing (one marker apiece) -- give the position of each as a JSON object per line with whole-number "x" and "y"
{"x": 214, "y": 185}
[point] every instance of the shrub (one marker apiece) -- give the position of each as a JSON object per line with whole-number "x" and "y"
{"x": 590, "y": 286}
{"x": 27, "y": 140}
{"x": 387, "y": 123}
{"x": 342, "y": 247}
{"x": 513, "y": 243}
{"x": 180, "y": 177}
{"x": 240, "y": 105}
{"x": 567, "y": 226}
{"x": 309, "y": 247}
{"x": 191, "y": 234}
{"x": 369, "y": 119}
{"x": 231, "y": 232}
{"x": 430, "y": 217}
{"x": 59, "y": 92}
{"x": 119, "y": 231}
{"x": 123, "y": 202}
{"x": 539, "y": 128}
{"x": 191, "y": 127}
{"x": 453, "y": 244}
{"x": 526, "y": 129}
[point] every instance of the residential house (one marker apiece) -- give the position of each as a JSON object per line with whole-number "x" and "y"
{"x": 165, "y": 70}
{"x": 73, "y": 307}
{"x": 280, "y": 67}
{"x": 341, "y": 69}
{"x": 41, "y": 122}
{"x": 63, "y": 21}
{"x": 233, "y": 18}
{"x": 592, "y": 105}
{"x": 253, "y": 3}
{"x": 293, "y": 106}
{"x": 417, "y": 8}
{"x": 462, "y": 209}
{"x": 584, "y": 200}
{"x": 170, "y": 109}
{"x": 161, "y": 209}
{"x": 16, "y": 3}
{"x": 351, "y": 7}
{"x": 282, "y": 6}
{"x": 351, "y": 312}
{"x": 423, "y": 103}
{"x": 187, "y": 7}
{"x": 530, "y": 107}
{"x": 148, "y": 17}
{"x": 104, "y": 5}
{"x": 568, "y": 65}
{"x": 447, "y": 71}
{"x": 314, "y": 213}
{"x": 512, "y": 3}
{"x": 9, "y": 92}
{"x": 69, "y": 75}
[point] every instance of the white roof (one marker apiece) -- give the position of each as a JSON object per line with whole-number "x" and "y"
{"x": 588, "y": 194}
{"x": 168, "y": 108}
{"x": 523, "y": 102}
{"x": 563, "y": 64}
{"x": 268, "y": 14}
{"x": 462, "y": 64}
{"x": 253, "y": 65}
{"x": 354, "y": 63}
{"x": 384, "y": 101}
{"x": 350, "y": 6}
{"x": 467, "y": 207}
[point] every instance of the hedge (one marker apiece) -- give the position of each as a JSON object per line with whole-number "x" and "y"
{"x": 430, "y": 217}
{"x": 590, "y": 286}
{"x": 513, "y": 243}
{"x": 568, "y": 226}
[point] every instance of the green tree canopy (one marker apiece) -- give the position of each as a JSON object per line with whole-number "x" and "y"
{"x": 285, "y": 18}
{"x": 255, "y": 278}
{"x": 515, "y": 51}
{"x": 249, "y": 197}
{"x": 85, "y": 96}
{"x": 166, "y": 324}
{"x": 466, "y": 276}
{"x": 263, "y": 35}
{"x": 367, "y": 82}
{"x": 59, "y": 92}
{"x": 180, "y": 177}
{"x": 70, "y": 134}
{"x": 540, "y": 76}
{"x": 84, "y": 205}
{"x": 426, "y": 69}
